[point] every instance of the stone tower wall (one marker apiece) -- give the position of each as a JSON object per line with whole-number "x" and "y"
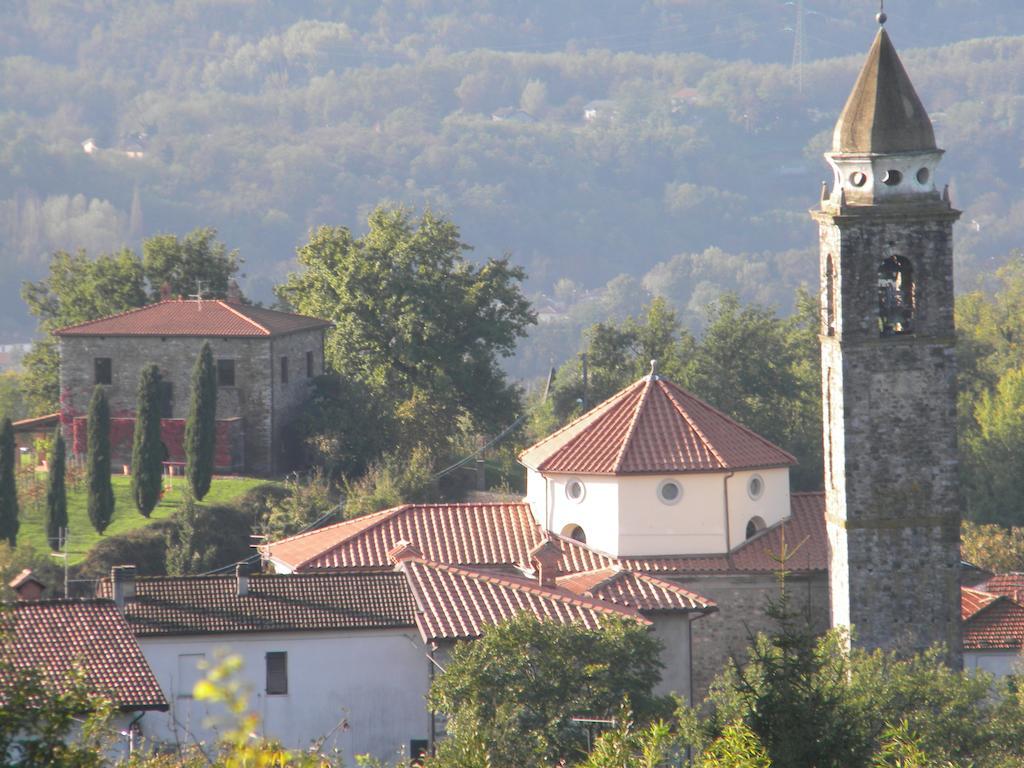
{"x": 891, "y": 477}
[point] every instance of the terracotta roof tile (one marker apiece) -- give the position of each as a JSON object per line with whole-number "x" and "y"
{"x": 492, "y": 534}
{"x": 458, "y": 603}
{"x": 653, "y": 426}
{"x": 52, "y": 636}
{"x": 973, "y": 600}
{"x": 186, "y": 605}
{"x": 179, "y": 317}
{"x": 999, "y": 624}
{"x": 1009, "y": 584}
{"x": 634, "y": 590}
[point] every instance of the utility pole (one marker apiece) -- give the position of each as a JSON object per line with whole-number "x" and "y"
{"x": 798, "y": 45}
{"x": 583, "y": 359}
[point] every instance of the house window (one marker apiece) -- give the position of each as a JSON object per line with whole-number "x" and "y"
{"x": 225, "y": 373}
{"x": 166, "y": 400}
{"x": 190, "y": 672}
{"x": 896, "y": 297}
{"x": 309, "y": 365}
{"x": 754, "y": 527}
{"x": 284, "y": 369}
{"x": 418, "y": 749}
{"x": 575, "y": 532}
{"x": 103, "y": 370}
{"x": 277, "y": 673}
{"x": 755, "y": 487}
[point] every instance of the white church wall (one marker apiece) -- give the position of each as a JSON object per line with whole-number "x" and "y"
{"x": 770, "y": 507}
{"x": 597, "y": 512}
{"x": 693, "y": 524}
{"x": 362, "y": 690}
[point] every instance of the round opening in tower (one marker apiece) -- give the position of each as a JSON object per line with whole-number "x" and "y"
{"x": 923, "y": 175}
{"x": 858, "y": 178}
{"x": 892, "y": 178}
{"x": 755, "y": 487}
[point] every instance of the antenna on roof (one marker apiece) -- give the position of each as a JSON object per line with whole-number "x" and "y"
{"x": 198, "y": 295}
{"x": 881, "y": 17}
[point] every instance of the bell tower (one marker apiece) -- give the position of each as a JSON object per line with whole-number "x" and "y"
{"x": 888, "y": 369}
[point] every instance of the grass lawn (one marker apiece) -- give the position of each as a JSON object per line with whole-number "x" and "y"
{"x": 126, "y": 516}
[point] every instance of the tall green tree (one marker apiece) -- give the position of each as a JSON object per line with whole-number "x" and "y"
{"x": 415, "y": 321}
{"x": 147, "y": 449}
{"x": 100, "y": 500}
{"x": 182, "y": 263}
{"x": 77, "y": 288}
{"x": 56, "y": 494}
{"x": 8, "y": 484}
{"x": 201, "y": 426}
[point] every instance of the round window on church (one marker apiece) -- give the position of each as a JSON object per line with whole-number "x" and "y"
{"x": 858, "y": 179}
{"x": 892, "y": 178}
{"x": 923, "y": 175}
{"x": 755, "y": 487}
{"x": 669, "y": 491}
{"x": 575, "y": 491}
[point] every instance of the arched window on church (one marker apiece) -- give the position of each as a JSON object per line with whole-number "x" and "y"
{"x": 830, "y": 297}
{"x": 754, "y": 527}
{"x": 895, "y": 296}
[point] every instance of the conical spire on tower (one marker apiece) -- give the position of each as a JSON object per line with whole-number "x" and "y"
{"x": 883, "y": 114}
{"x": 883, "y": 146}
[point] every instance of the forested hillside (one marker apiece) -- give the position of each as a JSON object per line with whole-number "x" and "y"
{"x": 672, "y": 142}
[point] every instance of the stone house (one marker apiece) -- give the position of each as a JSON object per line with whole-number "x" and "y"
{"x": 265, "y": 362}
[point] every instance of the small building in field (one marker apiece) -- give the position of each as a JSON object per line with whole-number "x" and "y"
{"x": 265, "y": 362}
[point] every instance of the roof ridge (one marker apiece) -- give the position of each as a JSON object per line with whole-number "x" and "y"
{"x": 592, "y": 414}
{"x": 228, "y": 306}
{"x": 764, "y": 440}
{"x": 305, "y": 534}
{"x": 631, "y": 430}
{"x": 384, "y": 516}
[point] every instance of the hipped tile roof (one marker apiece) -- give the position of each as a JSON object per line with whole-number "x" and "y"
{"x": 496, "y": 535}
{"x": 53, "y": 636}
{"x": 493, "y": 534}
{"x": 187, "y": 605}
{"x": 653, "y": 426}
{"x": 191, "y": 317}
{"x": 459, "y": 603}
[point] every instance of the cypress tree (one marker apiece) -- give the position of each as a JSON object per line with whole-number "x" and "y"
{"x": 8, "y": 485}
{"x": 147, "y": 450}
{"x": 56, "y": 495}
{"x": 101, "y": 492}
{"x": 201, "y": 427}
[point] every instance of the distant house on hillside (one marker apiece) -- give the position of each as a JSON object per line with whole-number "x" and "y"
{"x": 265, "y": 360}
{"x": 600, "y": 109}
{"x": 993, "y": 624}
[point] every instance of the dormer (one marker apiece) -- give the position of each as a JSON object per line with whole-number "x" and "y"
{"x": 654, "y": 470}
{"x": 883, "y": 146}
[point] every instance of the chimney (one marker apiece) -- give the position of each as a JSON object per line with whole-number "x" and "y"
{"x": 242, "y": 579}
{"x": 27, "y": 586}
{"x": 122, "y": 581}
{"x": 545, "y": 558}
{"x": 234, "y": 294}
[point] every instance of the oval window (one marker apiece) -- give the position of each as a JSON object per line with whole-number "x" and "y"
{"x": 669, "y": 491}
{"x": 575, "y": 491}
{"x": 923, "y": 175}
{"x": 892, "y": 178}
{"x": 755, "y": 487}
{"x": 858, "y": 179}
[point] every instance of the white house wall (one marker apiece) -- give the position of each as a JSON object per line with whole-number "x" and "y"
{"x": 695, "y": 524}
{"x": 362, "y": 690}
{"x": 771, "y": 507}
{"x": 597, "y": 513}
{"x": 998, "y": 663}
